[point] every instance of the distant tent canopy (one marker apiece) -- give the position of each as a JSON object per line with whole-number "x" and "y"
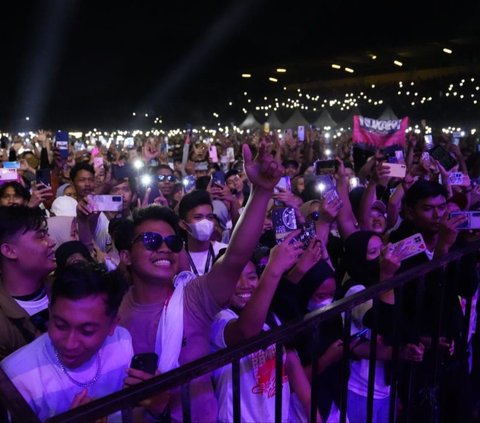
{"x": 296, "y": 120}
{"x": 348, "y": 121}
{"x": 250, "y": 123}
{"x": 388, "y": 114}
{"x": 325, "y": 120}
{"x": 274, "y": 121}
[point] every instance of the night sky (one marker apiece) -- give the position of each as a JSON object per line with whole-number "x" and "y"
{"x": 84, "y": 64}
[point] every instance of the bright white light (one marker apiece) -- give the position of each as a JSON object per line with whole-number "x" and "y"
{"x": 27, "y": 118}
{"x": 138, "y": 164}
{"x": 397, "y": 63}
{"x": 447, "y": 50}
{"x": 246, "y": 75}
{"x": 321, "y": 187}
{"x": 334, "y": 66}
{"x": 134, "y": 114}
{"x": 272, "y": 79}
{"x": 281, "y": 70}
{"x": 328, "y": 152}
{"x": 349, "y": 70}
{"x": 146, "y": 179}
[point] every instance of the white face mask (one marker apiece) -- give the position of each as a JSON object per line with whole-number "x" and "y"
{"x": 315, "y": 305}
{"x": 202, "y": 230}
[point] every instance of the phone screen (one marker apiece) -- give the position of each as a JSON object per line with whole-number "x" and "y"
{"x": 443, "y": 156}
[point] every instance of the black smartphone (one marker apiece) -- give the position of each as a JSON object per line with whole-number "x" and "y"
{"x": 43, "y": 176}
{"x": 323, "y": 167}
{"x": 119, "y": 173}
{"x": 147, "y": 362}
{"x": 443, "y": 156}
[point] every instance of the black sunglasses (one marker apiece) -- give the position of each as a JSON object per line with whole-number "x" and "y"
{"x": 153, "y": 240}
{"x": 169, "y": 178}
{"x": 314, "y": 216}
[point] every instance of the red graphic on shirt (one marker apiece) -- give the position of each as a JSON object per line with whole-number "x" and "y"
{"x": 263, "y": 363}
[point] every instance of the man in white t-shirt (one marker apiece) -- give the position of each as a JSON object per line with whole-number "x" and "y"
{"x": 85, "y": 354}
{"x": 198, "y": 221}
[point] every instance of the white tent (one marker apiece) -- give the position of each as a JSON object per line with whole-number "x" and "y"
{"x": 325, "y": 120}
{"x": 250, "y": 123}
{"x": 296, "y": 120}
{"x": 388, "y": 114}
{"x": 274, "y": 121}
{"x": 348, "y": 121}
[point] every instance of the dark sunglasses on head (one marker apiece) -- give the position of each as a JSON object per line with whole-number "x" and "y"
{"x": 153, "y": 240}
{"x": 169, "y": 178}
{"x": 314, "y": 216}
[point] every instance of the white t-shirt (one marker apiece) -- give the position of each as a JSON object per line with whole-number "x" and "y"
{"x": 257, "y": 384}
{"x": 199, "y": 258}
{"x": 358, "y": 381}
{"x": 34, "y": 306}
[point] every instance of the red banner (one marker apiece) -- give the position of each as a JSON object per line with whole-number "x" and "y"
{"x": 374, "y": 133}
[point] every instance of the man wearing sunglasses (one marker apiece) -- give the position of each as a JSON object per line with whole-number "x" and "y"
{"x": 171, "y": 314}
{"x": 166, "y": 180}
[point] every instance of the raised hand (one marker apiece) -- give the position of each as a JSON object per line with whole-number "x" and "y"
{"x": 263, "y": 171}
{"x": 284, "y": 255}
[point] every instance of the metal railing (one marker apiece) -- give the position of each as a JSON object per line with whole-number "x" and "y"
{"x": 281, "y": 335}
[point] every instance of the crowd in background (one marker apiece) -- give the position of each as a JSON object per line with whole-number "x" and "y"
{"x": 197, "y": 236}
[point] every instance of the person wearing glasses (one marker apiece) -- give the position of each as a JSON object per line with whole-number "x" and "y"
{"x": 166, "y": 181}
{"x": 171, "y": 314}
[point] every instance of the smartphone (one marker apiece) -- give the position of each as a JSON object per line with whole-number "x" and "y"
{"x": 283, "y": 184}
{"x": 11, "y": 165}
{"x": 397, "y": 170}
{"x": 301, "y": 133}
{"x": 353, "y": 183}
{"x": 473, "y": 219}
{"x": 218, "y": 178}
{"x": 147, "y": 362}
{"x": 7, "y": 175}
{"x": 409, "y": 246}
{"x": 283, "y": 222}
{"x": 43, "y": 176}
{"x": 443, "y": 156}
{"x": 112, "y": 203}
{"x": 230, "y": 154}
{"x": 324, "y": 184}
{"x": 266, "y": 127}
{"x": 323, "y": 167}
{"x": 458, "y": 178}
{"x": 212, "y": 153}
{"x": 61, "y": 142}
{"x": 428, "y": 140}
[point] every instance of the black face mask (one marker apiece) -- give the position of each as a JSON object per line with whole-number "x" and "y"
{"x": 372, "y": 271}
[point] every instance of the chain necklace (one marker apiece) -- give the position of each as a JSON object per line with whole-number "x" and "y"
{"x": 76, "y": 382}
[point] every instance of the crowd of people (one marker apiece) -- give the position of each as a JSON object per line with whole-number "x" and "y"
{"x": 111, "y": 252}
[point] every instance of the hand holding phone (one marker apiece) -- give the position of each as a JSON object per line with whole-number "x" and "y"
{"x": 147, "y": 362}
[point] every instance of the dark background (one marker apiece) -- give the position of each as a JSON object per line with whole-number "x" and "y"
{"x": 83, "y": 64}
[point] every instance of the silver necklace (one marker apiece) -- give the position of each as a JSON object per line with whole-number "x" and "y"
{"x": 76, "y": 382}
